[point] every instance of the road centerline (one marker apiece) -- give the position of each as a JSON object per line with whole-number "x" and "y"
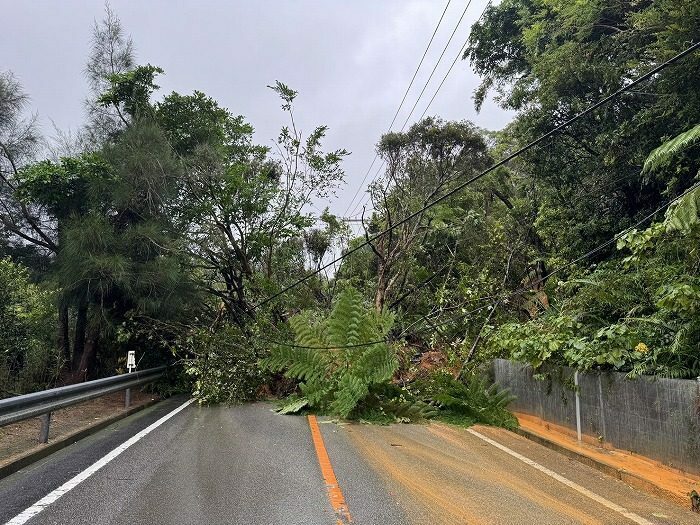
{"x": 335, "y": 495}
{"x": 69, "y": 485}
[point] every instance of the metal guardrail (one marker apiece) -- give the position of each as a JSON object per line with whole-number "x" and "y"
{"x": 42, "y": 403}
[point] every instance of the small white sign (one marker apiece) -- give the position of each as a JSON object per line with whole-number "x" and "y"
{"x": 131, "y": 360}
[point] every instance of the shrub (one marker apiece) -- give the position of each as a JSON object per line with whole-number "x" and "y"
{"x": 29, "y": 358}
{"x": 467, "y": 401}
{"x": 225, "y": 369}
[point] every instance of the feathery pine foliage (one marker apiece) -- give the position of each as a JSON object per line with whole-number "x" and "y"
{"x": 334, "y": 376}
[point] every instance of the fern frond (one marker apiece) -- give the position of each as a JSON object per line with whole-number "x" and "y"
{"x": 346, "y": 319}
{"x": 316, "y": 391}
{"x": 376, "y": 364}
{"x": 299, "y": 363}
{"x": 409, "y": 410}
{"x": 336, "y": 377}
{"x": 685, "y": 214}
{"x": 350, "y": 391}
{"x": 669, "y": 148}
{"x": 306, "y": 331}
{"x": 293, "y": 406}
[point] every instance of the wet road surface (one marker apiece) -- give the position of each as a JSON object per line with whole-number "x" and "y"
{"x": 248, "y": 465}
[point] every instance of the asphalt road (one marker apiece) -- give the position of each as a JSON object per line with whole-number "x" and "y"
{"x": 247, "y": 465}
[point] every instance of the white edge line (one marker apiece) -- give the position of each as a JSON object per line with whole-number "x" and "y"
{"x": 578, "y": 488}
{"x": 54, "y": 495}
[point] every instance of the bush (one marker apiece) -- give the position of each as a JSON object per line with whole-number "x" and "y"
{"x": 467, "y": 401}
{"x": 225, "y": 369}
{"x": 29, "y": 358}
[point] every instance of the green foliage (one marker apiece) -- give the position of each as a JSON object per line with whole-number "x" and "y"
{"x": 668, "y": 149}
{"x": 286, "y": 93}
{"x": 549, "y": 60}
{"x": 335, "y": 380}
{"x": 196, "y": 121}
{"x": 465, "y": 401}
{"x": 225, "y": 369}
{"x": 684, "y": 215}
{"x": 388, "y": 403}
{"x": 132, "y": 90}
{"x": 242, "y": 207}
{"x": 176, "y": 224}
{"x": 66, "y": 187}
{"x": 28, "y": 358}
{"x": 636, "y": 315}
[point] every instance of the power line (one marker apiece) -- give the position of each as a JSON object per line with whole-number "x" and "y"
{"x": 420, "y": 95}
{"x": 425, "y": 86}
{"x": 361, "y": 202}
{"x": 419, "y": 65}
{"x": 410, "y": 84}
{"x": 521, "y": 290}
{"x": 482, "y": 174}
{"x": 357, "y": 192}
{"x": 459, "y": 54}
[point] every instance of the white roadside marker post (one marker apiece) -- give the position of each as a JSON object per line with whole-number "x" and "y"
{"x": 131, "y": 366}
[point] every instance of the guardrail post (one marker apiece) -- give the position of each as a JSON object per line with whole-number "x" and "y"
{"x": 44, "y": 431}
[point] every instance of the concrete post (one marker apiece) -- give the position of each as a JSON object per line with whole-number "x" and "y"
{"x": 578, "y": 407}
{"x": 601, "y": 407}
{"x": 44, "y": 430}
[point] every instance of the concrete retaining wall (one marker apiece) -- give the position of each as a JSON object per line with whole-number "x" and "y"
{"x": 655, "y": 417}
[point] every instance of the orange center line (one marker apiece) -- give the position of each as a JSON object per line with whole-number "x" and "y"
{"x": 335, "y": 495}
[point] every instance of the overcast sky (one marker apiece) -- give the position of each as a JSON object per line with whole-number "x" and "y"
{"x": 351, "y": 62}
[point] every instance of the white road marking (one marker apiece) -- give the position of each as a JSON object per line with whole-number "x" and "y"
{"x": 69, "y": 485}
{"x": 578, "y": 488}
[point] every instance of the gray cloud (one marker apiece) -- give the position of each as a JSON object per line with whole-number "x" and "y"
{"x": 350, "y": 60}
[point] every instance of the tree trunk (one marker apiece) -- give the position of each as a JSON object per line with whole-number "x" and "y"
{"x": 79, "y": 337}
{"x": 382, "y": 286}
{"x": 88, "y": 359}
{"x": 63, "y": 333}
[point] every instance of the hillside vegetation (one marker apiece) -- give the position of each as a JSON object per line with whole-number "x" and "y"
{"x": 163, "y": 227}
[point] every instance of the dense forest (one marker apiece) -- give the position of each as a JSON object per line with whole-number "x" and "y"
{"x": 162, "y": 227}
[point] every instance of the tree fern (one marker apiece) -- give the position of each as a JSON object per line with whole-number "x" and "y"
{"x": 345, "y": 324}
{"x": 470, "y": 397}
{"x": 409, "y": 410}
{"x": 334, "y": 374}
